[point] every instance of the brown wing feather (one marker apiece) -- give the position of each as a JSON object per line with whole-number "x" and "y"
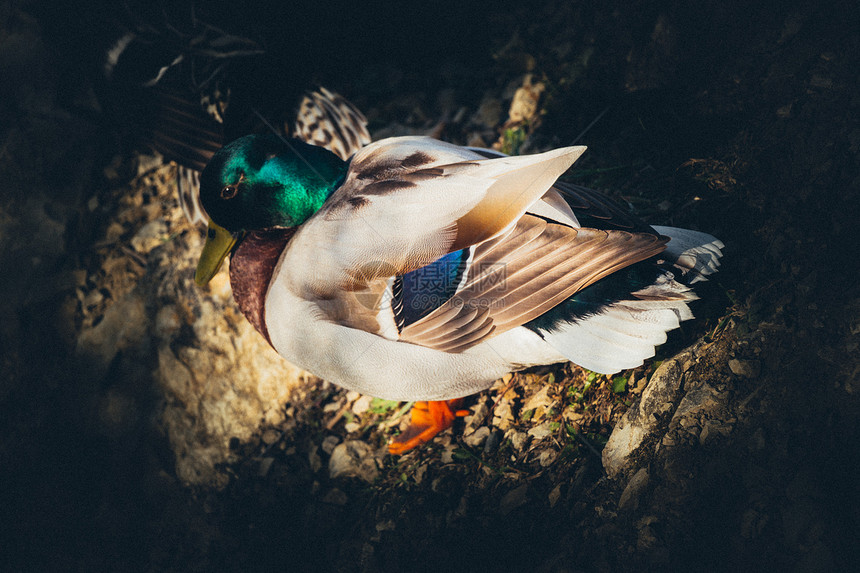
{"x": 542, "y": 265}
{"x": 586, "y": 264}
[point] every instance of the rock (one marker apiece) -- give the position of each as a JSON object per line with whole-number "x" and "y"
{"x": 270, "y": 436}
{"x": 554, "y": 495}
{"x": 332, "y": 407}
{"x": 492, "y": 443}
{"x": 478, "y": 416}
{"x": 351, "y": 427}
{"x": 476, "y": 438}
{"x": 637, "y": 484}
{"x": 329, "y": 443}
{"x": 352, "y": 396}
{"x": 705, "y": 434}
{"x": 124, "y": 327}
{"x": 547, "y": 458}
{"x": 518, "y": 439}
{"x": 700, "y": 400}
{"x": 361, "y": 405}
{"x": 642, "y": 418}
{"x": 745, "y": 368}
{"x": 353, "y": 458}
{"x": 541, "y": 431}
{"x": 514, "y": 499}
{"x": 713, "y": 428}
{"x": 503, "y": 416}
{"x": 387, "y": 525}
{"x": 335, "y": 497}
{"x": 646, "y": 537}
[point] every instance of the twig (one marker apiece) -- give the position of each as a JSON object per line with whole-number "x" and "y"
{"x": 340, "y": 413}
{"x": 590, "y": 125}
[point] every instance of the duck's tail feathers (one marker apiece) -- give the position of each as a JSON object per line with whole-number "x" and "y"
{"x": 327, "y": 119}
{"x": 624, "y": 333}
{"x": 181, "y": 130}
{"x": 694, "y": 254}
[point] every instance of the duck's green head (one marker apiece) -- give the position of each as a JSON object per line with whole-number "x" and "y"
{"x": 262, "y": 182}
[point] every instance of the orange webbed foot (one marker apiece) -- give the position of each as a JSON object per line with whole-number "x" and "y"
{"x": 428, "y": 419}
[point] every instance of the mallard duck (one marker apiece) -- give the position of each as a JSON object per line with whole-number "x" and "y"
{"x": 424, "y": 271}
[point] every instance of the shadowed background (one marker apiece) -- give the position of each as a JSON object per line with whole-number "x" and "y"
{"x": 734, "y": 119}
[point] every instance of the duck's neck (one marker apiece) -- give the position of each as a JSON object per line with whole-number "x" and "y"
{"x": 251, "y": 268}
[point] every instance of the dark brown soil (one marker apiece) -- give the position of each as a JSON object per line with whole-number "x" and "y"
{"x": 739, "y": 120}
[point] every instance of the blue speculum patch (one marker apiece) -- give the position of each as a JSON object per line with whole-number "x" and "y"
{"x": 418, "y": 293}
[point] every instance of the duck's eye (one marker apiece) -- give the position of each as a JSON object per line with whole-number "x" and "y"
{"x": 229, "y": 191}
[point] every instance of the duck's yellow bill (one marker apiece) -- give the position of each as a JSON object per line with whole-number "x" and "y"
{"x": 219, "y": 241}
